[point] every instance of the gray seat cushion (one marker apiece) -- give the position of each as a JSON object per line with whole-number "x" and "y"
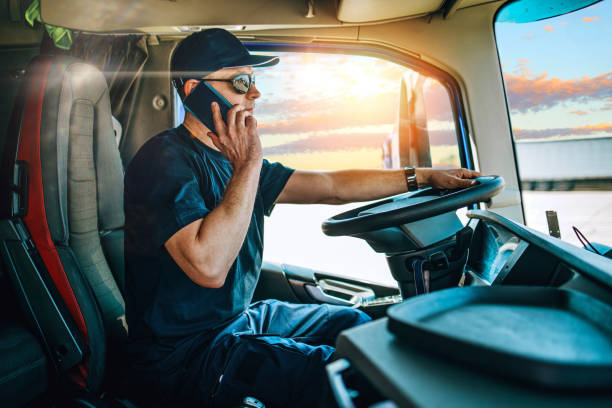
{"x": 83, "y": 183}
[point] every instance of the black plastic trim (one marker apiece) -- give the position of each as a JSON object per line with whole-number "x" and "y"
{"x": 339, "y": 389}
{"x": 61, "y": 339}
{"x": 9, "y": 156}
{"x": 586, "y": 263}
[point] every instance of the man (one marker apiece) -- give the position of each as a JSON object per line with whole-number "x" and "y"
{"x": 194, "y": 203}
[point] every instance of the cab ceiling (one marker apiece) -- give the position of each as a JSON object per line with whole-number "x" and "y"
{"x": 176, "y": 16}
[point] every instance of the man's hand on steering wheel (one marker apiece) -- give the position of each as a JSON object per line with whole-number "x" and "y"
{"x": 450, "y": 179}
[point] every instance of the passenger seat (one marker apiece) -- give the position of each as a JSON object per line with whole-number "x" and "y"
{"x": 61, "y": 222}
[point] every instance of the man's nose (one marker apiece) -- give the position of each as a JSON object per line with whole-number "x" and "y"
{"x": 253, "y": 92}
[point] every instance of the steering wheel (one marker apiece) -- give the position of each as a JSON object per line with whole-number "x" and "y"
{"x": 409, "y": 207}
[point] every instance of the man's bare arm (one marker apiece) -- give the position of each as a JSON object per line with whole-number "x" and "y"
{"x": 345, "y": 186}
{"x": 206, "y": 249}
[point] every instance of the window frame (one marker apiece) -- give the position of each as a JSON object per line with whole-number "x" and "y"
{"x": 503, "y": 82}
{"x": 406, "y": 60}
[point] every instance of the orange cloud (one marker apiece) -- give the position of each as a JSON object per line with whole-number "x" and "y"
{"x": 549, "y": 28}
{"x": 589, "y": 19}
{"x": 602, "y": 127}
{"x": 563, "y": 24}
{"x": 578, "y": 112}
{"x": 531, "y": 92}
{"x": 607, "y": 107}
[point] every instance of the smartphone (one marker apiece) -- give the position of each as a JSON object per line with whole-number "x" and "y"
{"x": 198, "y": 104}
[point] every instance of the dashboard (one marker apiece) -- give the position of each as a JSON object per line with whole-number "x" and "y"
{"x": 504, "y": 252}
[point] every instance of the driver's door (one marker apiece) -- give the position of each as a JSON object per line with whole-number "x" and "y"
{"x": 297, "y": 284}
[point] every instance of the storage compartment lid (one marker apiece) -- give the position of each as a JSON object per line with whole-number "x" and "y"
{"x": 545, "y": 336}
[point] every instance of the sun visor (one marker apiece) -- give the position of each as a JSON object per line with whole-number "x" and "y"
{"x": 361, "y": 11}
{"x": 168, "y": 15}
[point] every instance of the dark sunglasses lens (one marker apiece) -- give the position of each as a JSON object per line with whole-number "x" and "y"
{"x": 242, "y": 83}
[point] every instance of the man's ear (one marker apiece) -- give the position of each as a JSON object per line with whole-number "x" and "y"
{"x": 189, "y": 85}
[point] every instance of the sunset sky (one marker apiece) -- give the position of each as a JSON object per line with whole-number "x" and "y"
{"x": 317, "y": 107}
{"x": 558, "y": 74}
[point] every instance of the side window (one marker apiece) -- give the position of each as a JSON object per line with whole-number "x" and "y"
{"x": 558, "y": 83}
{"x": 330, "y": 112}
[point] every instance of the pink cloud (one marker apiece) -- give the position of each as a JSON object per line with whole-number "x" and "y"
{"x": 326, "y": 142}
{"x": 329, "y": 142}
{"x": 589, "y": 19}
{"x": 522, "y": 69}
{"x": 578, "y": 112}
{"x": 587, "y": 130}
{"x": 530, "y": 92}
{"x": 305, "y": 115}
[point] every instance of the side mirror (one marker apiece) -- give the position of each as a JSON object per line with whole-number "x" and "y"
{"x": 408, "y": 144}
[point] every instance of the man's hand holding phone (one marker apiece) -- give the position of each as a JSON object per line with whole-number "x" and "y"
{"x": 237, "y": 139}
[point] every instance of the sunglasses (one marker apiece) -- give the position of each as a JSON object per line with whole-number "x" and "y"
{"x": 242, "y": 83}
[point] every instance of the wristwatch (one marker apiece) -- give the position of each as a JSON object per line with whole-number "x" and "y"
{"x": 411, "y": 180}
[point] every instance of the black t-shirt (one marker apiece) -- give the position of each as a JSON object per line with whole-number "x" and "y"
{"x": 173, "y": 180}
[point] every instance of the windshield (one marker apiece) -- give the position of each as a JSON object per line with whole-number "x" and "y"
{"x": 558, "y": 79}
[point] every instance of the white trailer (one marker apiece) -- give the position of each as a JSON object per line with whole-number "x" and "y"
{"x": 577, "y": 163}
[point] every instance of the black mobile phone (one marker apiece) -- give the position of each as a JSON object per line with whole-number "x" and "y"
{"x": 199, "y": 100}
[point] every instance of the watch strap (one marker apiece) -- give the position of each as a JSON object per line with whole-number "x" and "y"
{"x": 411, "y": 180}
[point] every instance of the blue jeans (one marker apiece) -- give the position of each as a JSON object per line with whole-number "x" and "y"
{"x": 274, "y": 351}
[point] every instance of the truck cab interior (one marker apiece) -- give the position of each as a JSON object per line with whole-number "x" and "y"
{"x": 481, "y": 310}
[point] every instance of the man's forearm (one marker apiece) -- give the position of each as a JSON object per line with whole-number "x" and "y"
{"x": 367, "y": 184}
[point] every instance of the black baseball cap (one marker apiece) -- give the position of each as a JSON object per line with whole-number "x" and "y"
{"x": 211, "y": 50}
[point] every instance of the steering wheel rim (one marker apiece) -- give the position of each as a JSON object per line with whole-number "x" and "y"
{"x": 351, "y": 223}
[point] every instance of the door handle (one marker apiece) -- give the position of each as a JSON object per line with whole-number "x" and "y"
{"x": 339, "y": 293}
